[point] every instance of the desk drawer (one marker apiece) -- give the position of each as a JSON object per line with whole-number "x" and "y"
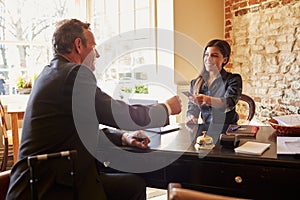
{"x": 243, "y": 180}
{"x": 213, "y": 174}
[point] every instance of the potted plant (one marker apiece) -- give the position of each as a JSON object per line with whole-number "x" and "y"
{"x": 24, "y": 85}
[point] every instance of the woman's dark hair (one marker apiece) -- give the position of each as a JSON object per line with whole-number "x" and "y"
{"x": 65, "y": 34}
{"x": 225, "y": 50}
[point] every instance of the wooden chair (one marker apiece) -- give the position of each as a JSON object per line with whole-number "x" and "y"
{"x": 176, "y": 192}
{"x": 6, "y": 128}
{"x": 4, "y": 183}
{"x": 4, "y": 140}
{"x": 46, "y": 168}
{"x": 246, "y": 112}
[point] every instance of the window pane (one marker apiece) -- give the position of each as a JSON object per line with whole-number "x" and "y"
{"x": 126, "y": 6}
{"x": 124, "y": 76}
{"x": 142, "y": 4}
{"x": 26, "y": 32}
{"x": 127, "y": 22}
{"x": 143, "y": 19}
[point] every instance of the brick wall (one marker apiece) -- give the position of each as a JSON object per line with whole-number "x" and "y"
{"x": 265, "y": 39}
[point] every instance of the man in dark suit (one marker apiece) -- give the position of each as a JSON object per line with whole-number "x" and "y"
{"x": 64, "y": 112}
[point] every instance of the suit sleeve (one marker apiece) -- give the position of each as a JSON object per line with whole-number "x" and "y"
{"x": 97, "y": 105}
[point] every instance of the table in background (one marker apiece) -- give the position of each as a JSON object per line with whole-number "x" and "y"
{"x": 16, "y": 106}
{"x": 222, "y": 171}
{"x": 15, "y": 115}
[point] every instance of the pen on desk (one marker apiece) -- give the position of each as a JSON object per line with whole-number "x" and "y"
{"x": 163, "y": 132}
{"x": 139, "y": 139}
{"x": 235, "y": 128}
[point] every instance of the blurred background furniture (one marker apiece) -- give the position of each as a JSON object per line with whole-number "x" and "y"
{"x": 14, "y": 107}
{"x": 4, "y": 140}
{"x": 16, "y": 115}
{"x": 4, "y": 183}
{"x": 176, "y": 192}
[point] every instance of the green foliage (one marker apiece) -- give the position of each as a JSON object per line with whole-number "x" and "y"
{"x": 141, "y": 89}
{"x": 24, "y": 83}
{"x": 126, "y": 89}
{"x": 20, "y": 82}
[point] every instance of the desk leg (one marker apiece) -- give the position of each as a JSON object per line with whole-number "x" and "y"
{"x": 15, "y": 135}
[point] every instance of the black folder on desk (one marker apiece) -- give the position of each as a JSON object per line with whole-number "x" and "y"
{"x": 163, "y": 130}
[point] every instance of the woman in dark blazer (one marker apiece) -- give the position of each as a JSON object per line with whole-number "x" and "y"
{"x": 216, "y": 91}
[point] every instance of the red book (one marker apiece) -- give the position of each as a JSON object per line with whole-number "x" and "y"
{"x": 242, "y": 130}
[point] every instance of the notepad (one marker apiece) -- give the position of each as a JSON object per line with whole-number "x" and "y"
{"x": 253, "y": 148}
{"x": 288, "y": 145}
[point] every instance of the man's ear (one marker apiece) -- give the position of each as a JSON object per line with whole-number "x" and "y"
{"x": 78, "y": 45}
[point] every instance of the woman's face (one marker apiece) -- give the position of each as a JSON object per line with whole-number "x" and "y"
{"x": 213, "y": 59}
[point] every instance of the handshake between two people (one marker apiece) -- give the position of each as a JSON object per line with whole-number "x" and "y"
{"x": 200, "y": 99}
{"x": 138, "y": 138}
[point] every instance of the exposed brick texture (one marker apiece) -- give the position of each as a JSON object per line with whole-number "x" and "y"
{"x": 265, "y": 40}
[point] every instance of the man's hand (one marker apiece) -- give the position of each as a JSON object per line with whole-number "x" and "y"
{"x": 174, "y": 105}
{"x": 136, "y": 139}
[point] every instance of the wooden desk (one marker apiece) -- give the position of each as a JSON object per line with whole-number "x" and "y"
{"x": 15, "y": 115}
{"x": 222, "y": 171}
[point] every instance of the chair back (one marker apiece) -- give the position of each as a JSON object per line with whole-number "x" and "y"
{"x": 176, "y": 192}
{"x": 3, "y": 139}
{"x": 246, "y": 108}
{"x": 4, "y": 183}
{"x": 53, "y": 173}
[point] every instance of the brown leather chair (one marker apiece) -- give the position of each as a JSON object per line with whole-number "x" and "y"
{"x": 176, "y": 192}
{"x": 251, "y": 108}
{"x": 4, "y": 183}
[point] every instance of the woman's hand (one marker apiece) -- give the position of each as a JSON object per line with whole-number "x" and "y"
{"x": 201, "y": 99}
{"x": 191, "y": 119}
{"x": 136, "y": 139}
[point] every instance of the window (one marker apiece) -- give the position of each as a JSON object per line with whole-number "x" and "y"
{"x": 130, "y": 62}
{"x": 26, "y": 28}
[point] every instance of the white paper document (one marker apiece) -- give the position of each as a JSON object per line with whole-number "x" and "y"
{"x": 288, "y": 145}
{"x": 288, "y": 120}
{"x": 253, "y": 148}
